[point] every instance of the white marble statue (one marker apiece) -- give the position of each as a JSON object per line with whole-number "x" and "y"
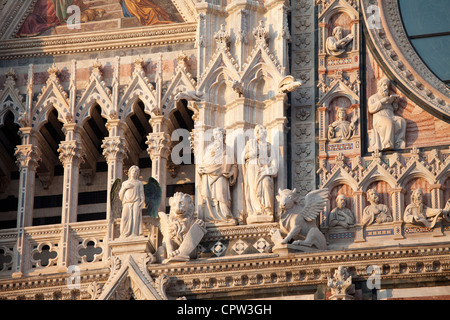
{"x": 260, "y": 166}
{"x": 181, "y": 231}
{"x": 341, "y": 129}
{"x": 418, "y": 213}
{"x": 376, "y": 212}
{"x": 341, "y": 216}
{"x": 388, "y": 129}
{"x": 297, "y": 222}
{"x": 133, "y": 201}
{"x": 335, "y": 45}
{"x": 218, "y": 171}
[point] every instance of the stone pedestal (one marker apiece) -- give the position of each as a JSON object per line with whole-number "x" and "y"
{"x": 251, "y": 219}
{"x": 130, "y": 245}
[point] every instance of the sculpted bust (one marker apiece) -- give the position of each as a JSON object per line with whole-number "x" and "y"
{"x": 418, "y": 213}
{"x": 388, "y": 129}
{"x": 375, "y": 212}
{"x": 341, "y": 216}
{"x": 336, "y": 44}
{"x": 341, "y": 129}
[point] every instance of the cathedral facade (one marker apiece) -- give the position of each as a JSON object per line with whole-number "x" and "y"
{"x": 224, "y": 149}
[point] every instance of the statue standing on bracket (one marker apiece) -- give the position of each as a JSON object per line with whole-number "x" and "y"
{"x": 133, "y": 200}
{"x": 418, "y": 213}
{"x": 336, "y": 44}
{"x": 388, "y": 129}
{"x": 259, "y": 169}
{"x": 218, "y": 172}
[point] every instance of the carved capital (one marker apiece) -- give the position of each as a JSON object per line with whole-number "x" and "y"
{"x": 158, "y": 145}
{"x": 114, "y": 148}
{"x": 27, "y": 156}
{"x": 70, "y": 152}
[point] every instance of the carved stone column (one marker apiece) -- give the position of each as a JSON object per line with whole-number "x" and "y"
{"x": 158, "y": 150}
{"x": 359, "y": 207}
{"x": 71, "y": 157}
{"x": 398, "y": 195}
{"x": 115, "y": 152}
{"x": 28, "y": 156}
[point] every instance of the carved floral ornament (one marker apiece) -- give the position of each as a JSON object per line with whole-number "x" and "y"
{"x": 398, "y": 59}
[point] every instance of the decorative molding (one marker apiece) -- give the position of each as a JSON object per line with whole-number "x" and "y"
{"x": 129, "y": 38}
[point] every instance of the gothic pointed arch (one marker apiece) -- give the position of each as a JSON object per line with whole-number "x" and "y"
{"x": 96, "y": 91}
{"x": 181, "y": 82}
{"x": 52, "y": 95}
{"x": 138, "y": 88}
{"x": 11, "y": 99}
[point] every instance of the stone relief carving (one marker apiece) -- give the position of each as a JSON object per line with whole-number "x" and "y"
{"x": 376, "y": 212}
{"x": 133, "y": 200}
{"x": 181, "y": 231}
{"x": 218, "y": 172}
{"x": 341, "y": 285}
{"x": 341, "y": 216}
{"x": 336, "y": 44}
{"x": 259, "y": 169}
{"x": 341, "y": 129}
{"x": 298, "y": 221}
{"x": 388, "y": 129}
{"x": 419, "y": 213}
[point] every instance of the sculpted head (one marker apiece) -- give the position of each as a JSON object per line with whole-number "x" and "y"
{"x": 337, "y": 32}
{"x": 181, "y": 206}
{"x": 373, "y": 196}
{"x": 219, "y": 135}
{"x": 260, "y": 133}
{"x": 417, "y": 196}
{"x": 383, "y": 87}
{"x": 133, "y": 172}
{"x": 340, "y": 115}
{"x": 340, "y": 201}
{"x": 287, "y": 198}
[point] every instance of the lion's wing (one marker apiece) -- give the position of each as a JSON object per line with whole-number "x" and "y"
{"x": 314, "y": 204}
{"x": 163, "y": 223}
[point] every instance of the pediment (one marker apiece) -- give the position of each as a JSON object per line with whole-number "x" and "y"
{"x": 132, "y": 281}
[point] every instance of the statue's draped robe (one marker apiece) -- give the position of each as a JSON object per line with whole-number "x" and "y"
{"x": 258, "y": 170}
{"x": 132, "y": 196}
{"x": 215, "y": 188}
{"x": 389, "y": 128}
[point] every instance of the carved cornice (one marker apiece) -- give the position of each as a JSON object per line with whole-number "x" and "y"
{"x": 388, "y": 41}
{"x": 271, "y": 271}
{"x": 98, "y": 41}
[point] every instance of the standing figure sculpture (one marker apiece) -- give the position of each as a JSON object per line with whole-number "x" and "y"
{"x": 259, "y": 169}
{"x": 341, "y": 216}
{"x": 376, "y": 212}
{"x": 133, "y": 201}
{"x": 218, "y": 172}
{"x": 388, "y": 129}
{"x": 336, "y": 44}
{"x": 418, "y": 213}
